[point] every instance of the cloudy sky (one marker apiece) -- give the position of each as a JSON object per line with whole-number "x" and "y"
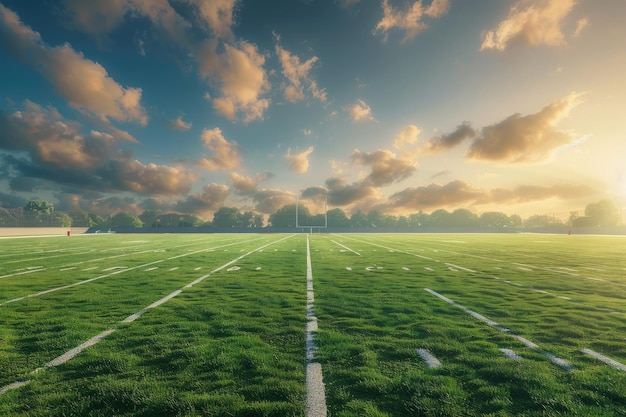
{"x": 396, "y": 105}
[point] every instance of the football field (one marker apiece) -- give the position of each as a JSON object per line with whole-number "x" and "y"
{"x": 250, "y": 324}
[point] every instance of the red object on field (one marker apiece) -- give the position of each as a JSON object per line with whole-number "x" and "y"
{"x": 68, "y": 232}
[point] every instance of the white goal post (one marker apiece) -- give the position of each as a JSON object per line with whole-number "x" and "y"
{"x": 310, "y": 226}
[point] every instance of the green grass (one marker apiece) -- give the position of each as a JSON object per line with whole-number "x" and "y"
{"x": 234, "y": 343}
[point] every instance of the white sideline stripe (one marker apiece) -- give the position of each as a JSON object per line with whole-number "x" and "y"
{"x": 613, "y": 363}
{"x": 347, "y": 248}
{"x": 510, "y": 354}
{"x": 119, "y": 271}
{"x": 98, "y": 338}
{"x": 23, "y": 273}
{"x": 430, "y": 360}
{"x": 315, "y": 390}
{"x": 556, "y": 360}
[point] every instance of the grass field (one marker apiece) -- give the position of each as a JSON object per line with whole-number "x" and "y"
{"x": 408, "y": 325}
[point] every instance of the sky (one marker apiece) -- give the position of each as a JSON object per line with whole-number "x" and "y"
{"x": 399, "y": 106}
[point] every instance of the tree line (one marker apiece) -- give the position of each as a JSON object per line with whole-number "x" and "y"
{"x": 603, "y": 213}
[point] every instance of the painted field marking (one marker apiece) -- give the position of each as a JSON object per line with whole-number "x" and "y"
{"x": 30, "y": 271}
{"x": 613, "y": 363}
{"x": 428, "y": 269}
{"x": 113, "y": 268}
{"x": 510, "y": 354}
{"x": 405, "y": 268}
{"x": 59, "y": 360}
{"x": 64, "y": 287}
{"x": 348, "y": 268}
{"x": 198, "y": 268}
{"x": 428, "y": 357}
{"x": 315, "y": 390}
{"x": 459, "y": 267}
{"x": 90, "y": 268}
{"x": 554, "y": 359}
{"x": 67, "y": 269}
{"x": 346, "y": 248}
{"x": 258, "y": 268}
{"x": 233, "y": 268}
{"x": 388, "y": 248}
{"x": 151, "y": 269}
{"x": 173, "y": 269}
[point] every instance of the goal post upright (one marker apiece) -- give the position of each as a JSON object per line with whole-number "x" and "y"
{"x": 311, "y": 227}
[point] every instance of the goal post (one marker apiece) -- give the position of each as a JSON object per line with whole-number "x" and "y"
{"x": 312, "y": 213}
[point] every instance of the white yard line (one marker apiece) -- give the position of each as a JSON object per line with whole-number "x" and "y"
{"x": 388, "y": 248}
{"x": 556, "y": 360}
{"x": 315, "y": 390}
{"x": 510, "y": 354}
{"x": 30, "y": 271}
{"x": 347, "y": 248}
{"x": 460, "y": 267}
{"x": 613, "y": 363}
{"x": 118, "y": 271}
{"x": 428, "y": 357}
{"x": 59, "y": 360}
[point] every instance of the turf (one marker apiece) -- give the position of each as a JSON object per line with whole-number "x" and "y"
{"x": 233, "y": 343}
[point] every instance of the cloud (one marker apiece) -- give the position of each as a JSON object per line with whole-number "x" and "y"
{"x": 95, "y": 17}
{"x": 243, "y": 185}
{"x": 85, "y": 84}
{"x": 225, "y": 154}
{"x": 580, "y": 25}
{"x": 218, "y": 15}
{"x": 462, "y": 194}
{"x": 268, "y": 201}
{"x": 149, "y": 179}
{"x": 58, "y": 153}
{"x": 386, "y": 167}
{"x": 299, "y": 163}
{"x": 407, "y": 136}
{"x": 342, "y": 194}
{"x": 439, "y": 143}
{"x": 297, "y": 74}
{"x": 530, "y": 22}
{"x": 360, "y": 111}
{"x": 204, "y": 203}
{"x": 51, "y": 140}
{"x": 530, "y": 138}
{"x": 411, "y": 20}
{"x": 238, "y": 73}
{"x": 179, "y": 124}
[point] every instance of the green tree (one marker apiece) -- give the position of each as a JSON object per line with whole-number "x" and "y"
{"x": 358, "y": 219}
{"x": 493, "y": 220}
{"x": 150, "y": 218}
{"x": 462, "y": 218}
{"x": 122, "y": 219}
{"x": 227, "y": 217}
{"x": 39, "y": 207}
{"x": 286, "y": 216}
{"x": 440, "y": 218}
{"x": 604, "y": 213}
{"x": 337, "y": 218}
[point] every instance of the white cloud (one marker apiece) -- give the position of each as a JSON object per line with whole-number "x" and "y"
{"x": 407, "y": 136}
{"x": 240, "y": 77}
{"x": 85, "y": 84}
{"x": 360, "y": 111}
{"x": 530, "y": 22}
{"x": 411, "y": 20}
{"x": 297, "y": 73}
{"x": 299, "y": 163}
{"x": 580, "y": 25}
{"x": 179, "y": 124}
{"x": 225, "y": 154}
{"x": 218, "y": 14}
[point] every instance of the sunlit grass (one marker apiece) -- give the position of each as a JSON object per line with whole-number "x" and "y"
{"x": 234, "y": 344}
